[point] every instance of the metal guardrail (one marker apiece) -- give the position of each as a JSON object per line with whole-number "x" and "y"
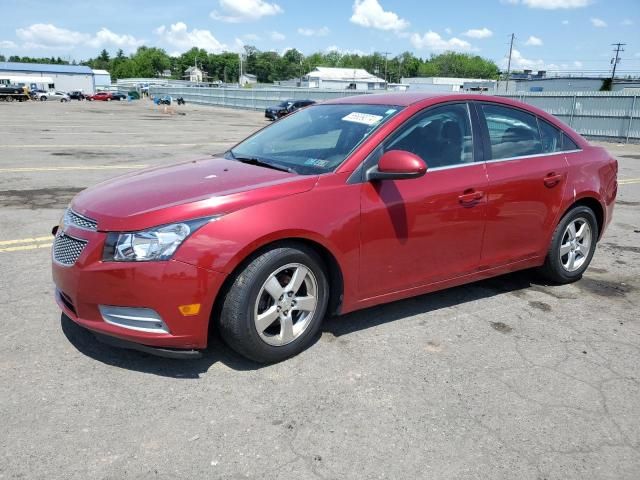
{"x": 603, "y": 115}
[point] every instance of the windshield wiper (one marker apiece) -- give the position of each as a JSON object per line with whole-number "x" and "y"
{"x": 261, "y": 163}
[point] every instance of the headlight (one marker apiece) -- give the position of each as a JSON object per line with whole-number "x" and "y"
{"x": 158, "y": 243}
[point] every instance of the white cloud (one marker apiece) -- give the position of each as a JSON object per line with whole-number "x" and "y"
{"x": 477, "y": 33}
{"x": 626, "y": 22}
{"x": 41, "y": 35}
{"x": 180, "y": 37}
{"x": 46, "y": 35}
{"x": 314, "y": 32}
{"x": 7, "y": 44}
{"x": 106, "y": 37}
{"x": 235, "y": 11}
{"x": 342, "y": 51}
{"x": 551, "y": 4}
{"x": 533, "y": 41}
{"x": 369, "y": 13}
{"x": 448, "y": 31}
{"x": 577, "y": 64}
{"x": 598, "y": 23}
{"x": 435, "y": 43}
{"x": 565, "y": 22}
{"x": 277, "y": 36}
{"x": 518, "y": 62}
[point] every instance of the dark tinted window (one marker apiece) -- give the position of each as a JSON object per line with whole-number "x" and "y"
{"x": 568, "y": 144}
{"x": 551, "y": 137}
{"x": 441, "y": 136}
{"x": 512, "y": 132}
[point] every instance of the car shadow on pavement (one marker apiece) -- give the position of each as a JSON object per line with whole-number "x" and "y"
{"x": 430, "y": 302}
{"x": 87, "y": 343}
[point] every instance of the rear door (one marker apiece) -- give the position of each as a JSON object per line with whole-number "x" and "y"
{"x": 423, "y": 230}
{"x": 527, "y": 177}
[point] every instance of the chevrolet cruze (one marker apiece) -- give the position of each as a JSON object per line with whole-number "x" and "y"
{"x": 341, "y": 206}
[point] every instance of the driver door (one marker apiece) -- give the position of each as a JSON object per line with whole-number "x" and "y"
{"x": 420, "y": 231}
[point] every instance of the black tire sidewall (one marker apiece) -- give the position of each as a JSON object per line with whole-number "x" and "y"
{"x": 553, "y": 264}
{"x": 244, "y": 291}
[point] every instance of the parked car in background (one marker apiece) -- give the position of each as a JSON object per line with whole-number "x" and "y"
{"x": 285, "y": 108}
{"x": 118, "y": 96}
{"x": 77, "y": 95}
{"x": 35, "y": 94}
{"x": 53, "y": 95}
{"x": 101, "y": 96}
{"x": 345, "y": 205}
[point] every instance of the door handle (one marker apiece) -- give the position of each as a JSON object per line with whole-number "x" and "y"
{"x": 470, "y": 197}
{"x": 552, "y": 179}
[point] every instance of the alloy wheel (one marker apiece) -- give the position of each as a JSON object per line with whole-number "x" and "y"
{"x": 286, "y": 304}
{"x": 576, "y": 244}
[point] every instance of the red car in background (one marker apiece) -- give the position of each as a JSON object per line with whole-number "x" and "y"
{"x": 101, "y": 96}
{"x": 340, "y": 206}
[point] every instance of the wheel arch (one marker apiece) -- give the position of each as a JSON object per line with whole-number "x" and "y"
{"x": 592, "y": 202}
{"x": 330, "y": 262}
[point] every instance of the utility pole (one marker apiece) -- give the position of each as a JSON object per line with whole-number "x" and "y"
{"x": 513, "y": 36}
{"x": 385, "y": 68}
{"x": 616, "y": 60}
{"x": 240, "y": 74}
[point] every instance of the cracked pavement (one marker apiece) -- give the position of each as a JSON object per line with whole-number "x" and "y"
{"x": 501, "y": 379}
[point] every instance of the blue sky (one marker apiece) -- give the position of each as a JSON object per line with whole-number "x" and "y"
{"x": 551, "y": 34}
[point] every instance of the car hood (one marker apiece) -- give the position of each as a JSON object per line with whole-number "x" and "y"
{"x": 184, "y": 191}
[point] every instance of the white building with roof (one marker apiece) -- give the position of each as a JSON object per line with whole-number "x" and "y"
{"x": 343, "y": 78}
{"x": 48, "y": 76}
{"x": 443, "y": 84}
{"x": 102, "y": 78}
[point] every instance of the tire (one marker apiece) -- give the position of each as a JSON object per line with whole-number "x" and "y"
{"x": 248, "y": 298}
{"x": 557, "y": 266}
{"x": 10, "y": 98}
{"x": 43, "y": 98}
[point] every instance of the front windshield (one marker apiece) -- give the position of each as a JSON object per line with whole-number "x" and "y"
{"x": 284, "y": 104}
{"x": 316, "y": 139}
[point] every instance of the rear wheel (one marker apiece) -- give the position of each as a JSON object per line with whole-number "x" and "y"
{"x": 43, "y": 98}
{"x": 572, "y": 246}
{"x": 275, "y": 305}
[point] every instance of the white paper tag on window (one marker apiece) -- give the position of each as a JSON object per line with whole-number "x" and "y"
{"x": 364, "y": 118}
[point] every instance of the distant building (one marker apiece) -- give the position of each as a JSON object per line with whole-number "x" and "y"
{"x": 445, "y": 84}
{"x": 342, "y": 78}
{"x": 101, "y": 78}
{"x": 194, "y": 74}
{"x": 49, "y": 76}
{"x": 248, "y": 79}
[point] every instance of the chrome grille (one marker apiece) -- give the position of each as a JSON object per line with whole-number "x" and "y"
{"x": 66, "y": 249}
{"x": 77, "y": 220}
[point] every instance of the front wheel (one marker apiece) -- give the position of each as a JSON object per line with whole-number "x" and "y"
{"x": 276, "y": 304}
{"x": 572, "y": 246}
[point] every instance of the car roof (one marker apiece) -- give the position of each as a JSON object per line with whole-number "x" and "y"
{"x": 404, "y": 99}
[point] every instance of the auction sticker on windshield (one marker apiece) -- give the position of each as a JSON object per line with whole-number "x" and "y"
{"x": 365, "y": 118}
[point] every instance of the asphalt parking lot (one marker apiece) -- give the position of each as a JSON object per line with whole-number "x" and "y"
{"x": 502, "y": 379}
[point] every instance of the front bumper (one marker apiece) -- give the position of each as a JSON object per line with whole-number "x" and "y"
{"x": 161, "y": 286}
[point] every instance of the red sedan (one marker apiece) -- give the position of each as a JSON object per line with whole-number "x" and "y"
{"x": 101, "y": 96}
{"x": 343, "y": 205}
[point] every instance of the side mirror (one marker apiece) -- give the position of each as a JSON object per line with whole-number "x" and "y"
{"x": 397, "y": 165}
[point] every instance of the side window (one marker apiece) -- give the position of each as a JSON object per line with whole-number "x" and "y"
{"x": 441, "y": 136}
{"x": 512, "y": 132}
{"x": 551, "y": 137}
